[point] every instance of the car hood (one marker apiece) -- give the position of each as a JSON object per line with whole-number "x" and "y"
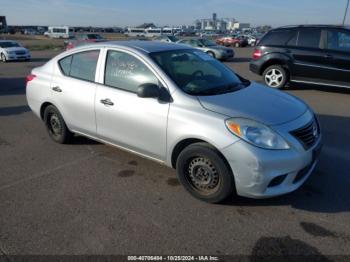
{"x": 11, "y": 49}
{"x": 256, "y": 102}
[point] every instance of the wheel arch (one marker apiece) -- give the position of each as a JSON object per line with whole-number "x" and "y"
{"x": 181, "y": 145}
{"x": 42, "y": 109}
{"x": 276, "y": 60}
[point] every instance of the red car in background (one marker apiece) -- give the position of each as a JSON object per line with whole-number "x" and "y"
{"x": 84, "y": 39}
{"x": 235, "y": 41}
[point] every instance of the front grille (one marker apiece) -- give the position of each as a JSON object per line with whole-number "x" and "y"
{"x": 20, "y": 53}
{"x": 308, "y": 134}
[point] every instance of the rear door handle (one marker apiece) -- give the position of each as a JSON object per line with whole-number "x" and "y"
{"x": 57, "y": 89}
{"x": 107, "y": 102}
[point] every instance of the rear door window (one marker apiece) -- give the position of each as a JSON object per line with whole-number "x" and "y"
{"x": 309, "y": 37}
{"x": 338, "y": 40}
{"x": 81, "y": 65}
{"x": 124, "y": 71}
{"x": 278, "y": 37}
{"x": 65, "y": 64}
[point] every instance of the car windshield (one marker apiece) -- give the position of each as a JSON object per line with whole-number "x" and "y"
{"x": 173, "y": 38}
{"x": 9, "y": 44}
{"x": 206, "y": 42}
{"x": 197, "y": 73}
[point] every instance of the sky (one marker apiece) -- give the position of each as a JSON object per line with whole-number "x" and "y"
{"x": 170, "y": 12}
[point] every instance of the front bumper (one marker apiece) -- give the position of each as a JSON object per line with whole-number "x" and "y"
{"x": 13, "y": 57}
{"x": 261, "y": 173}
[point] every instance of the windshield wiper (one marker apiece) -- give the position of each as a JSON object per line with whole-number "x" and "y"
{"x": 219, "y": 90}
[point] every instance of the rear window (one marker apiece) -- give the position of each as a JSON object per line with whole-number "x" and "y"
{"x": 278, "y": 37}
{"x": 309, "y": 37}
{"x": 81, "y": 65}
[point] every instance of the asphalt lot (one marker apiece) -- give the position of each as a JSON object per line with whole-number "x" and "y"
{"x": 89, "y": 198}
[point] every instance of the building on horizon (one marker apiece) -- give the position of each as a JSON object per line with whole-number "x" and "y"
{"x": 219, "y": 24}
{"x": 3, "y": 24}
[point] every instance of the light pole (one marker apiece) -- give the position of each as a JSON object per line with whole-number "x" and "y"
{"x": 346, "y": 12}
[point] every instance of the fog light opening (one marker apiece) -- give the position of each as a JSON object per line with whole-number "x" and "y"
{"x": 277, "y": 181}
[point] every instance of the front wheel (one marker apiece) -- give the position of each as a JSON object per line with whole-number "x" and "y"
{"x": 56, "y": 127}
{"x": 211, "y": 54}
{"x": 204, "y": 173}
{"x": 3, "y": 58}
{"x": 275, "y": 76}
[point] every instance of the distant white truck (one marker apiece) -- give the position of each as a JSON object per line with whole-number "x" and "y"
{"x": 64, "y": 32}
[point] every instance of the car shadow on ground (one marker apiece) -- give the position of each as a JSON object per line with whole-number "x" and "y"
{"x": 300, "y": 86}
{"x": 39, "y": 60}
{"x": 12, "y": 86}
{"x": 327, "y": 190}
{"x": 13, "y": 110}
{"x": 240, "y": 60}
{"x": 82, "y": 140}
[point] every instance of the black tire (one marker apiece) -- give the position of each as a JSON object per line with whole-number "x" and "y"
{"x": 56, "y": 126}
{"x": 211, "y": 54}
{"x": 282, "y": 76}
{"x": 3, "y": 58}
{"x": 213, "y": 186}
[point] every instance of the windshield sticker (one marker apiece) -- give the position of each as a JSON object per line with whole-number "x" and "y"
{"x": 204, "y": 56}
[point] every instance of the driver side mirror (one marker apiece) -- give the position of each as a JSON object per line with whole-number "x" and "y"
{"x": 148, "y": 91}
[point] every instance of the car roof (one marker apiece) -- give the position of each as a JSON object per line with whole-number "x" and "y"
{"x": 144, "y": 46}
{"x": 313, "y": 26}
{"x": 6, "y": 41}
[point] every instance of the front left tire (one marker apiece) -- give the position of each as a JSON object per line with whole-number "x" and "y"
{"x": 55, "y": 125}
{"x": 3, "y": 58}
{"x": 204, "y": 173}
{"x": 211, "y": 54}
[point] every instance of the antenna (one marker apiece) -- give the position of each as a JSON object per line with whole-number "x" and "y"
{"x": 346, "y": 12}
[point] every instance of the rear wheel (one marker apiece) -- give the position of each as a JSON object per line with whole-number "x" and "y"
{"x": 204, "y": 173}
{"x": 275, "y": 76}
{"x": 56, "y": 126}
{"x": 3, "y": 58}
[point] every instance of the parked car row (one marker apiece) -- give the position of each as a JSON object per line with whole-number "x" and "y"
{"x": 82, "y": 39}
{"x": 233, "y": 41}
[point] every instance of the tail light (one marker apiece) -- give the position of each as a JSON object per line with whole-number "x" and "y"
{"x": 257, "y": 54}
{"x": 30, "y": 78}
{"x": 69, "y": 46}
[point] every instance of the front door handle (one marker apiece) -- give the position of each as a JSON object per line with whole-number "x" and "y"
{"x": 107, "y": 102}
{"x": 57, "y": 89}
{"x": 328, "y": 56}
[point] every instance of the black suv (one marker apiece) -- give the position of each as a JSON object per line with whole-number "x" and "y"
{"x": 318, "y": 55}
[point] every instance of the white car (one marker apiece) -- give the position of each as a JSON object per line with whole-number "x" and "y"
{"x": 252, "y": 41}
{"x": 11, "y": 50}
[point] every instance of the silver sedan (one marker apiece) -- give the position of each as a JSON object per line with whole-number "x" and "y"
{"x": 209, "y": 47}
{"x": 179, "y": 106}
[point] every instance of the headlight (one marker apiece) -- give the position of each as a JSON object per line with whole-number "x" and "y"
{"x": 11, "y": 52}
{"x": 256, "y": 133}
